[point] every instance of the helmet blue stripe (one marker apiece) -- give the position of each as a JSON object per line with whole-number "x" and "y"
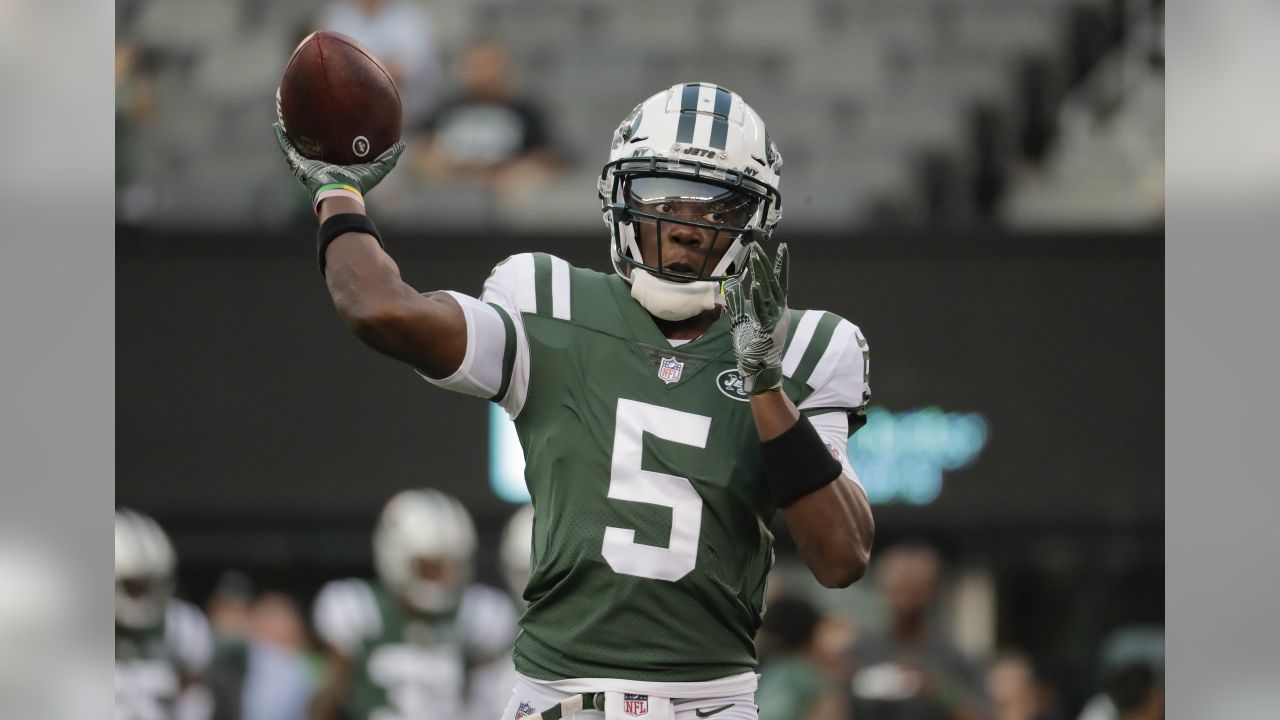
{"x": 720, "y": 123}
{"x": 719, "y": 132}
{"x": 723, "y": 100}
{"x": 688, "y": 113}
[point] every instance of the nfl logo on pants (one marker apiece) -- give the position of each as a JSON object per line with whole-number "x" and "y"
{"x": 635, "y": 705}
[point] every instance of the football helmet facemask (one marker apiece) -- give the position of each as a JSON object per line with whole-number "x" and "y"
{"x": 423, "y": 547}
{"x": 145, "y": 565}
{"x": 695, "y": 157}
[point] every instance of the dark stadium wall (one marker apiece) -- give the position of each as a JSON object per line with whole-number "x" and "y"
{"x": 251, "y": 421}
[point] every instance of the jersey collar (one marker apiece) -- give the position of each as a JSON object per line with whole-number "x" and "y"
{"x": 641, "y": 327}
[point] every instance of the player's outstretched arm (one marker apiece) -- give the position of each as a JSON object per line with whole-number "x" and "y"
{"x": 427, "y": 331}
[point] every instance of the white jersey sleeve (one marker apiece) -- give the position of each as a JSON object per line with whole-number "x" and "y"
{"x": 496, "y": 363}
{"x": 487, "y": 619}
{"x": 830, "y": 355}
{"x": 187, "y": 633}
{"x": 840, "y": 377}
{"x": 833, "y": 428}
{"x": 346, "y": 614}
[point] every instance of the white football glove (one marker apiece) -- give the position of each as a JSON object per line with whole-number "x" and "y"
{"x": 757, "y": 304}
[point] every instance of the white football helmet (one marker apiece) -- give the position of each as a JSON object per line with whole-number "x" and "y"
{"x": 693, "y": 145}
{"x": 145, "y": 566}
{"x": 517, "y": 546}
{"x": 423, "y": 547}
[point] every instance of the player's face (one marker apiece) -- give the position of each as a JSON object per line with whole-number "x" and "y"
{"x": 141, "y": 587}
{"x": 909, "y": 582}
{"x": 669, "y": 241}
{"x": 433, "y": 569}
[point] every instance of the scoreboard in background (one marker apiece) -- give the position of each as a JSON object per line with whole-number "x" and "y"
{"x": 904, "y": 457}
{"x": 899, "y": 457}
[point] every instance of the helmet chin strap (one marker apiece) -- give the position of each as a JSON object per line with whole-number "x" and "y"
{"x": 672, "y": 300}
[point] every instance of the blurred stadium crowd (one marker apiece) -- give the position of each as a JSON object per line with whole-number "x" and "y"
{"x": 422, "y": 640}
{"x": 1026, "y": 113}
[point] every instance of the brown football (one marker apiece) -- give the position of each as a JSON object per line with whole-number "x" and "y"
{"x": 337, "y": 101}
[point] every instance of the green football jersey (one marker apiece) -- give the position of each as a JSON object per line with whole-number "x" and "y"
{"x": 651, "y": 541}
{"x": 408, "y": 666}
{"x": 153, "y": 666}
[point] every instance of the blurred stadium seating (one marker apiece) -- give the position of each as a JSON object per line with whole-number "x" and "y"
{"x": 1027, "y": 112}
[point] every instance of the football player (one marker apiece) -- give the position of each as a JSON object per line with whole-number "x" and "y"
{"x": 667, "y": 409}
{"x": 163, "y": 645}
{"x": 493, "y": 684}
{"x": 406, "y": 646}
{"x": 517, "y": 546}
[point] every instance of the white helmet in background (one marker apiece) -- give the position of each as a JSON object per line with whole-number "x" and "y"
{"x": 517, "y": 547}
{"x": 699, "y": 143}
{"x": 145, "y": 565}
{"x": 423, "y": 547}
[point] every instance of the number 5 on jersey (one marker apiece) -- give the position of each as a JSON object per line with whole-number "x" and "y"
{"x": 627, "y": 481}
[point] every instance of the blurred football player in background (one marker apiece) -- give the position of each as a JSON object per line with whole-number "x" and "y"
{"x": 405, "y": 646}
{"x": 230, "y": 606}
{"x": 799, "y": 681}
{"x": 1125, "y": 686}
{"x": 517, "y": 545}
{"x": 163, "y": 645}
{"x": 911, "y": 671}
{"x": 490, "y": 690}
{"x": 279, "y": 682}
{"x": 667, "y": 410}
{"x": 1137, "y": 691}
{"x": 1017, "y": 691}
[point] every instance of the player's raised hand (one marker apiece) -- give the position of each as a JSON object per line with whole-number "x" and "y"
{"x": 320, "y": 177}
{"x": 757, "y": 304}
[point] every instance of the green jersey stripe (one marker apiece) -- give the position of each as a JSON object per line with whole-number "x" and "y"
{"x": 542, "y": 283}
{"x": 817, "y": 347}
{"x": 857, "y": 416}
{"x": 814, "y": 412}
{"x": 833, "y": 355}
{"x": 801, "y": 333}
{"x": 508, "y": 352}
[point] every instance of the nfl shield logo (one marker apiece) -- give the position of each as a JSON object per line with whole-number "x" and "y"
{"x": 632, "y": 704}
{"x": 669, "y": 371}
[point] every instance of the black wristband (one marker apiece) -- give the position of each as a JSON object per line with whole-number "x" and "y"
{"x": 336, "y": 225}
{"x": 796, "y": 463}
